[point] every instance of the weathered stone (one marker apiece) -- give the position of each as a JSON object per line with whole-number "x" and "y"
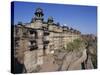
{"x": 30, "y": 60}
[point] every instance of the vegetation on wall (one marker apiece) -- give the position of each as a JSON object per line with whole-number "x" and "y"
{"x": 76, "y": 45}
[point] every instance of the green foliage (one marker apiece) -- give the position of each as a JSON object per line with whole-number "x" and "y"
{"x": 75, "y": 45}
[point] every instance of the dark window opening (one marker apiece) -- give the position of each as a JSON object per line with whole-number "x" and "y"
{"x": 17, "y": 38}
{"x": 46, "y": 33}
{"x": 46, "y": 42}
{"x": 16, "y": 44}
{"x": 32, "y": 32}
{"x": 33, "y": 45}
{"x": 33, "y": 42}
{"x": 44, "y": 28}
{"x": 44, "y": 49}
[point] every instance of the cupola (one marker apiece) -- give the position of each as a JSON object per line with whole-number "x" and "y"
{"x": 39, "y": 13}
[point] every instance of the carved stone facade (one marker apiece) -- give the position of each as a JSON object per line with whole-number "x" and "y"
{"x": 39, "y": 38}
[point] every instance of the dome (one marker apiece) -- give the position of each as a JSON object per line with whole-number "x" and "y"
{"x": 50, "y": 18}
{"x": 39, "y": 10}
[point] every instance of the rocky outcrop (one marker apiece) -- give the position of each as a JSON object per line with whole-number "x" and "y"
{"x": 30, "y": 61}
{"x": 76, "y": 65}
{"x": 62, "y": 61}
{"x": 72, "y": 60}
{"x": 59, "y": 61}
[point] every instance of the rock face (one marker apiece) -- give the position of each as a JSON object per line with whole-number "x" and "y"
{"x": 72, "y": 60}
{"x": 59, "y": 61}
{"x": 30, "y": 61}
{"x": 76, "y": 65}
{"x": 62, "y": 61}
{"x": 89, "y": 64}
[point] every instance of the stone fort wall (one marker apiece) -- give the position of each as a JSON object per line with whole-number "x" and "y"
{"x": 38, "y": 38}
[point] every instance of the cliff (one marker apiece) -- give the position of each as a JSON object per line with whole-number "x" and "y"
{"x": 78, "y": 55}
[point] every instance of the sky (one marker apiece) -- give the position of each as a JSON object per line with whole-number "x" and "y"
{"x": 82, "y": 18}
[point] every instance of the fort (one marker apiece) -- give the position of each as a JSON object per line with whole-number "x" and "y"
{"x": 39, "y": 38}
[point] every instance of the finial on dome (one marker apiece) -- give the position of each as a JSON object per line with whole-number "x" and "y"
{"x": 39, "y": 12}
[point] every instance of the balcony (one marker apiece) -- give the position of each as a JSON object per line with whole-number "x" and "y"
{"x": 46, "y": 32}
{"x": 33, "y": 45}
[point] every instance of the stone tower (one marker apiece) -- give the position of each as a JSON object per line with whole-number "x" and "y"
{"x": 39, "y": 22}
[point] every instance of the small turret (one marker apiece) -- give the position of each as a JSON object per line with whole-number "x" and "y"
{"x": 20, "y": 23}
{"x": 71, "y": 30}
{"x": 58, "y": 24}
{"x": 50, "y": 20}
{"x": 39, "y": 14}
